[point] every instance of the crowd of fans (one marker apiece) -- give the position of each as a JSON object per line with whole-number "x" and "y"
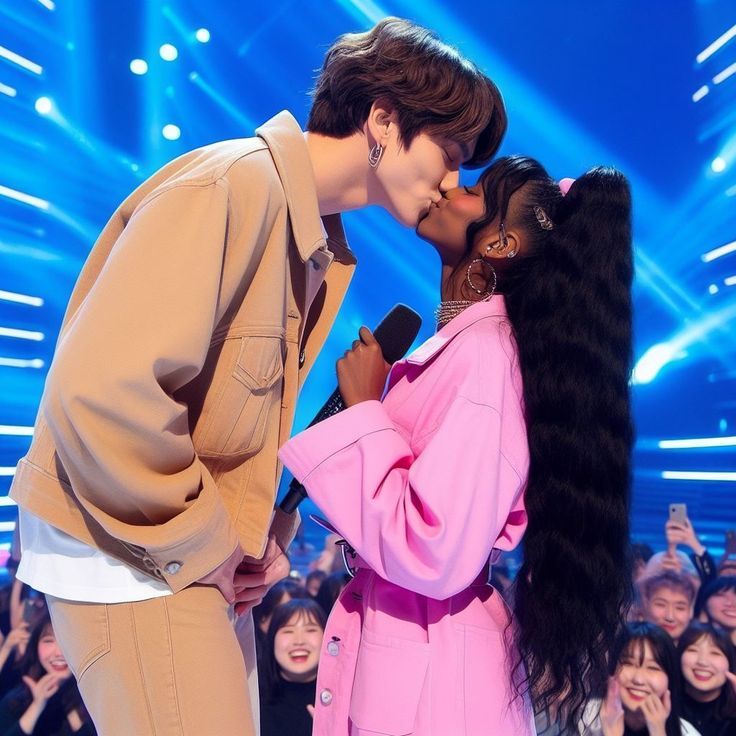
{"x": 672, "y": 673}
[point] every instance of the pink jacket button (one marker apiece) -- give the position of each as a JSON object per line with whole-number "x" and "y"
{"x": 325, "y": 697}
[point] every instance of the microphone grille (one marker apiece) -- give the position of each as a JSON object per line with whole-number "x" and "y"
{"x": 397, "y": 331}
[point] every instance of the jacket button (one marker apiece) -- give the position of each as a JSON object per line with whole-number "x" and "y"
{"x": 172, "y": 568}
{"x": 302, "y": 358}
{"x": 325, "y": 697}
{"x": 333, "y": 648}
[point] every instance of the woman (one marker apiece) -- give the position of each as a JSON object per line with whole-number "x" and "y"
{"x": 707, "y": 661}
{"x": 288, "y": 668}
{"x": 515, "y": 414}
{"x": 717, "y": 604}
{"x": 47, "y": 703}
{"x": 644, "y": 694}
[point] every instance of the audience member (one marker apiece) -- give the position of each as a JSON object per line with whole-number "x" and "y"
{"x": 313, "y": 581}
{"x": 717, "y": 604}
{"x": 47, "y": 702}
{"x": 668, "y": 600}
{"x": 644, "y": 694}
{"x": 288, "y": 668}
{"x": 684, "y": 533}
{"x": 707, "y": 659}
{"x": 330, "y": 589}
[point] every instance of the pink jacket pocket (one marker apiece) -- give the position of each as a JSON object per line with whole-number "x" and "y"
{"x": 389, "y": 680}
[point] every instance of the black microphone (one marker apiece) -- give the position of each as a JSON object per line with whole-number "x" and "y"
{"x": 395, "y": 334}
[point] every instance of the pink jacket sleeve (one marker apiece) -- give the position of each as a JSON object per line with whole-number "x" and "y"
{"x": 427, "y": 523}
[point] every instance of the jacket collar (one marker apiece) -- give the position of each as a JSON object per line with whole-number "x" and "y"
{"x": 285, "y": 141}
{"x": 495, "y": 307}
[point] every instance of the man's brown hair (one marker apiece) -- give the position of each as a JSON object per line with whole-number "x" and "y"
{"x": 433, "y": 89}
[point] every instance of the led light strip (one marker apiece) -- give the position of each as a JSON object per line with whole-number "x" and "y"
{"x": 699, "y": 442}
{"x": 698, "y": 475}
{"x": 9, "y": 429}
{"x": 717, "y": 44}
{"x": 21, "y": 61}
{"x": 718, "y": 252}
{"x": 21, "y": 363}
{"x": 11, "y": 296}
{"x": 21, "y": 334}
{"x": 41, "y": 204}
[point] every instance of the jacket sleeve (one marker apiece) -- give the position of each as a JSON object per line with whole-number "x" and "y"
{"x": 142, "y": 333}
{"x": 426, "y": 523}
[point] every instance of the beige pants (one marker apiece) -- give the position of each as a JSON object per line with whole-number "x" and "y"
{"x": 170, "y": 666}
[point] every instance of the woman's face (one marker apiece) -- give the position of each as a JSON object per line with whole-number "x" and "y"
{"x": 50, "y": 656}
{"x": 639, "y": 676}
{"x": 297, "y": 646}
{"x": 721, "y": 607}
{"x": 446, "y": 223}
{"x": 704, "y": 668}
{"x": 409, "y": 179}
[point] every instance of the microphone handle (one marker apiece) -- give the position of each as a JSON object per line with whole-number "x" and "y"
{"x": 332, "y": 406}
{"x": 297, "y": 492}
{"x": 295, "y": 495}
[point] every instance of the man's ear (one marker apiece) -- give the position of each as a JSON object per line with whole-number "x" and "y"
{"x": 381, "y": 117}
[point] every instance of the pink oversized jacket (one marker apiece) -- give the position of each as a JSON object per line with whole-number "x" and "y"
{"x": 426, "y": 486}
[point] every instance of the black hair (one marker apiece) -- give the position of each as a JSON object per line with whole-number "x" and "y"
{"x": 330, "y": 589}
{"x": 712, "y": 587}
{"x": 568, "y": 299}
{"x": 269, "y": 673}
{"x": 630, "y": 643}
{"x": 273, "y": 598}
{"x": 640, "y": 551}
{"x": 725, "y": 704}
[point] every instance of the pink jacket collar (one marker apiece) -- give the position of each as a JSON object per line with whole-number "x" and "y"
{"x": 496, "y": 306}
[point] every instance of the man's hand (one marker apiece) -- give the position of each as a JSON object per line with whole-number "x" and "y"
{"x": 223, "y": 576}
{"x": 678, "y": 533}
{"x": 255, "y": 577}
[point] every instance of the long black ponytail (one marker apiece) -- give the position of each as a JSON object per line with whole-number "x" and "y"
{"x": 568, "y": 297}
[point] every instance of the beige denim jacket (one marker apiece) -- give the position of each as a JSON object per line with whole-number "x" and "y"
{"x": 180, "y": 359}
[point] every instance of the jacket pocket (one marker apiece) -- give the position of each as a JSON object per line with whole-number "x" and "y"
{"x": 235, "y": 423}
{"x": 389, "y": 680}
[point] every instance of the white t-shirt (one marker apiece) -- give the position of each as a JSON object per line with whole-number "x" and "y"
{"x": 55, "y": 563}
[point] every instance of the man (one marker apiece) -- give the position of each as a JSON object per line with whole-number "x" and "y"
{"x": 147, "y": 495}
{"x": 669, "y": 598}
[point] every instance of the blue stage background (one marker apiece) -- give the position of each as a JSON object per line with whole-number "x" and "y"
{"x": 618, "y": 83}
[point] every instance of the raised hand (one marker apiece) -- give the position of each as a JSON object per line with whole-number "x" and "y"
{"x": 612, "y": 711}
{"x": 656, "y": 712}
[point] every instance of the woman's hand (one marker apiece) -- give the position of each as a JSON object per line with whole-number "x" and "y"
{"x": 656, "y": 712}
{"x": 362, "y": 371}
{"x": 41, "y": 692}
{"x": 612, "y": 711}
{"x": 17, "y": 639}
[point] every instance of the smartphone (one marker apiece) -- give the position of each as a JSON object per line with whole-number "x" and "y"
{"x": 678, "y": 513}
